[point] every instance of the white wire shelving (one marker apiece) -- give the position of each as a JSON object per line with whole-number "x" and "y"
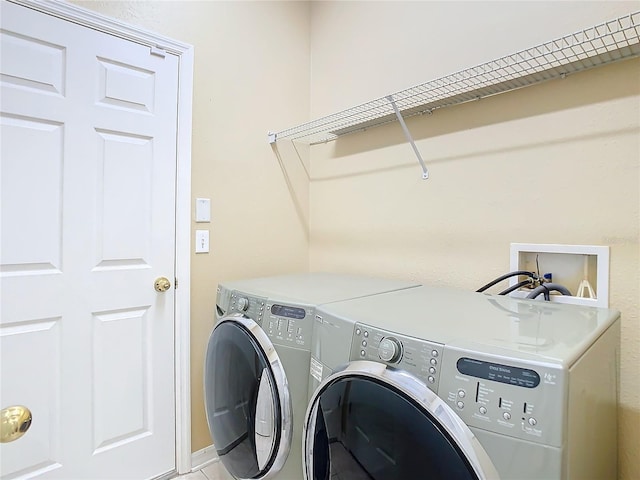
{"x": 601, "y": 44}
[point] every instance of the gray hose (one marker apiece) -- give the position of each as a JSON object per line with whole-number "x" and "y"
{"x": 546, "y": 288}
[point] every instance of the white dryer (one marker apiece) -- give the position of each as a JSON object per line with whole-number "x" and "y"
{"x": 257, "y": 367}
{"x": 439, "y": 383}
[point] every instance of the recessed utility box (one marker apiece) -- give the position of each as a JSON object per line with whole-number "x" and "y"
{"x": 583, "y": 269}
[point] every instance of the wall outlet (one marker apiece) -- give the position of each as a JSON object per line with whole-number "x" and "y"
{"x": 583, "y": 269}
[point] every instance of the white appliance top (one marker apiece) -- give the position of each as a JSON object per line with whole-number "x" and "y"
{"x": 527, "y": 329}
{"x": 317, "y": 288}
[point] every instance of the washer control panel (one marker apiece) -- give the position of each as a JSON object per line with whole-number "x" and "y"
{"x": 419, "y": 357}
{"x": 286, "y": 324}
{"x": 504, "y": 395}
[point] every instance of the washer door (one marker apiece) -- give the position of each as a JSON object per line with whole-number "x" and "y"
{"x": 247, "y": 399}
{"x": 369, "y": 422}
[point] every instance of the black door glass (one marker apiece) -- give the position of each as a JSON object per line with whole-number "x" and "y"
{"x": 366, "y": 430}
{"x": 235, "y": 364}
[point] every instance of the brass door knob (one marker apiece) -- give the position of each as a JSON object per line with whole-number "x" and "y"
{"x": 15, "y": 421}
{"x": 162, "y": 284}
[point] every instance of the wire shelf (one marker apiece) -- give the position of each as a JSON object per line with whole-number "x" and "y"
{"x": 598, "y": 45}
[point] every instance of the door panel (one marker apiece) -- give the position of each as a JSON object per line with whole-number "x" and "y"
{"x": 88, "y": 223}
{"x": 125, "y": 164}
{"x": 125, "y": 86}
{"x": 32, "y": 243}
{"x": 40, "y": 449}
{"x": 124, "y": 331}
{"x": 45, "y": 73}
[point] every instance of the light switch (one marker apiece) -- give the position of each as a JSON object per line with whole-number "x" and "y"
{"x": 203, "y": 210}
{"x": 202, "y": 241}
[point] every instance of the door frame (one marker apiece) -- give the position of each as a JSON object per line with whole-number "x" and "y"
{"x": 185, "y": 54}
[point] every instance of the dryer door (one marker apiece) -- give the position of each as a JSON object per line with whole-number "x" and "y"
{"x": 247, "y": 399}
{"x": 371, "y": 422}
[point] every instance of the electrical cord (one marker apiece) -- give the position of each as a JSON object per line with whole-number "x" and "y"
{"x": 531, "y": 275}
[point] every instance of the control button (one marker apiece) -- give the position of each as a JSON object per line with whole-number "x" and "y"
{"x": 243, "y": 304}
{"x": 433, "y": 362}
{"x": 506, "y": 416}
{"x": 389, "y": 350}
{"x": 462, "y": 393}
{"x": 358, "y": 331}
{"x": 434, "y": 353}
{"x": 533, "y": 422}
{"x": 364, "y": 343}
{"x": 483, "y": 410}
{"x": 431, "y": 379}
{"x": 366, "y": 334}
{"x": 362, "y": 353}
{"x": 432, "y": 370}
{"x": 460, "y": 405}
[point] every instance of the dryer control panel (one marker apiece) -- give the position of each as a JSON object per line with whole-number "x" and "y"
{"x": 248, "y": 305}
{"x": 285, "y": 324}
{"x": 420, "y": 357}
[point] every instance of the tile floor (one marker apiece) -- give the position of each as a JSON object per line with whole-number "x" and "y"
{"x": 213, "y": 471}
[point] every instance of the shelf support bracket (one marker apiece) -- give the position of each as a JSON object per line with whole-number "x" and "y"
{"x": 407, "y": 133}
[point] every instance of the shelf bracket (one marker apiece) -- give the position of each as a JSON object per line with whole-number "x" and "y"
{"x": 407, "y": 133}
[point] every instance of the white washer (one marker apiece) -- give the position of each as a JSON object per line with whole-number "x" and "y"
{"x": 257, "y": 367}
{"x": 525, "y": 389}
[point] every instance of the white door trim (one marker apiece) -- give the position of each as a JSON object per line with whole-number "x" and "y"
{"x": 185, "y": 55}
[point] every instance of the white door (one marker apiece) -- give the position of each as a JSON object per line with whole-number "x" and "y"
{"x": 88, "y": 168}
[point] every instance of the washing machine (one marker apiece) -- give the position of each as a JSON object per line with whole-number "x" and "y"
{"x": 257, "y": 365}
{"x": 441, "y": 384}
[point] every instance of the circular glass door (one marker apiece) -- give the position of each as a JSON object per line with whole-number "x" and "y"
{"x": 368, "y": 422}
{"x": 247, "y": 399}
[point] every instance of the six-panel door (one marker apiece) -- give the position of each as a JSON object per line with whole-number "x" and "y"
{"x": 88, "y": 127}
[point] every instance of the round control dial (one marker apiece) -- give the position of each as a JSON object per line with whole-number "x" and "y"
{"x": 243, "y": 304}
{"x": 390, "y": 350}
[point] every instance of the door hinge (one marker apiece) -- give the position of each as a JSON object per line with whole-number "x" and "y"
{"x": 157, "y": 51}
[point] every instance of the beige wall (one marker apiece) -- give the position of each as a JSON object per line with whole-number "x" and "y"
{"x": 554, "y": 163}
{"x": 251, "y": 76}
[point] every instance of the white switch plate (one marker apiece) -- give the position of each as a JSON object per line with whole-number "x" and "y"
{"x": 202, "y": 241}
{"x": 203, "y": 210}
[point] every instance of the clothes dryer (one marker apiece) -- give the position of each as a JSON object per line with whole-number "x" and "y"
{"x": 438, "y": 383}
{"x": 257, "y": 367}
